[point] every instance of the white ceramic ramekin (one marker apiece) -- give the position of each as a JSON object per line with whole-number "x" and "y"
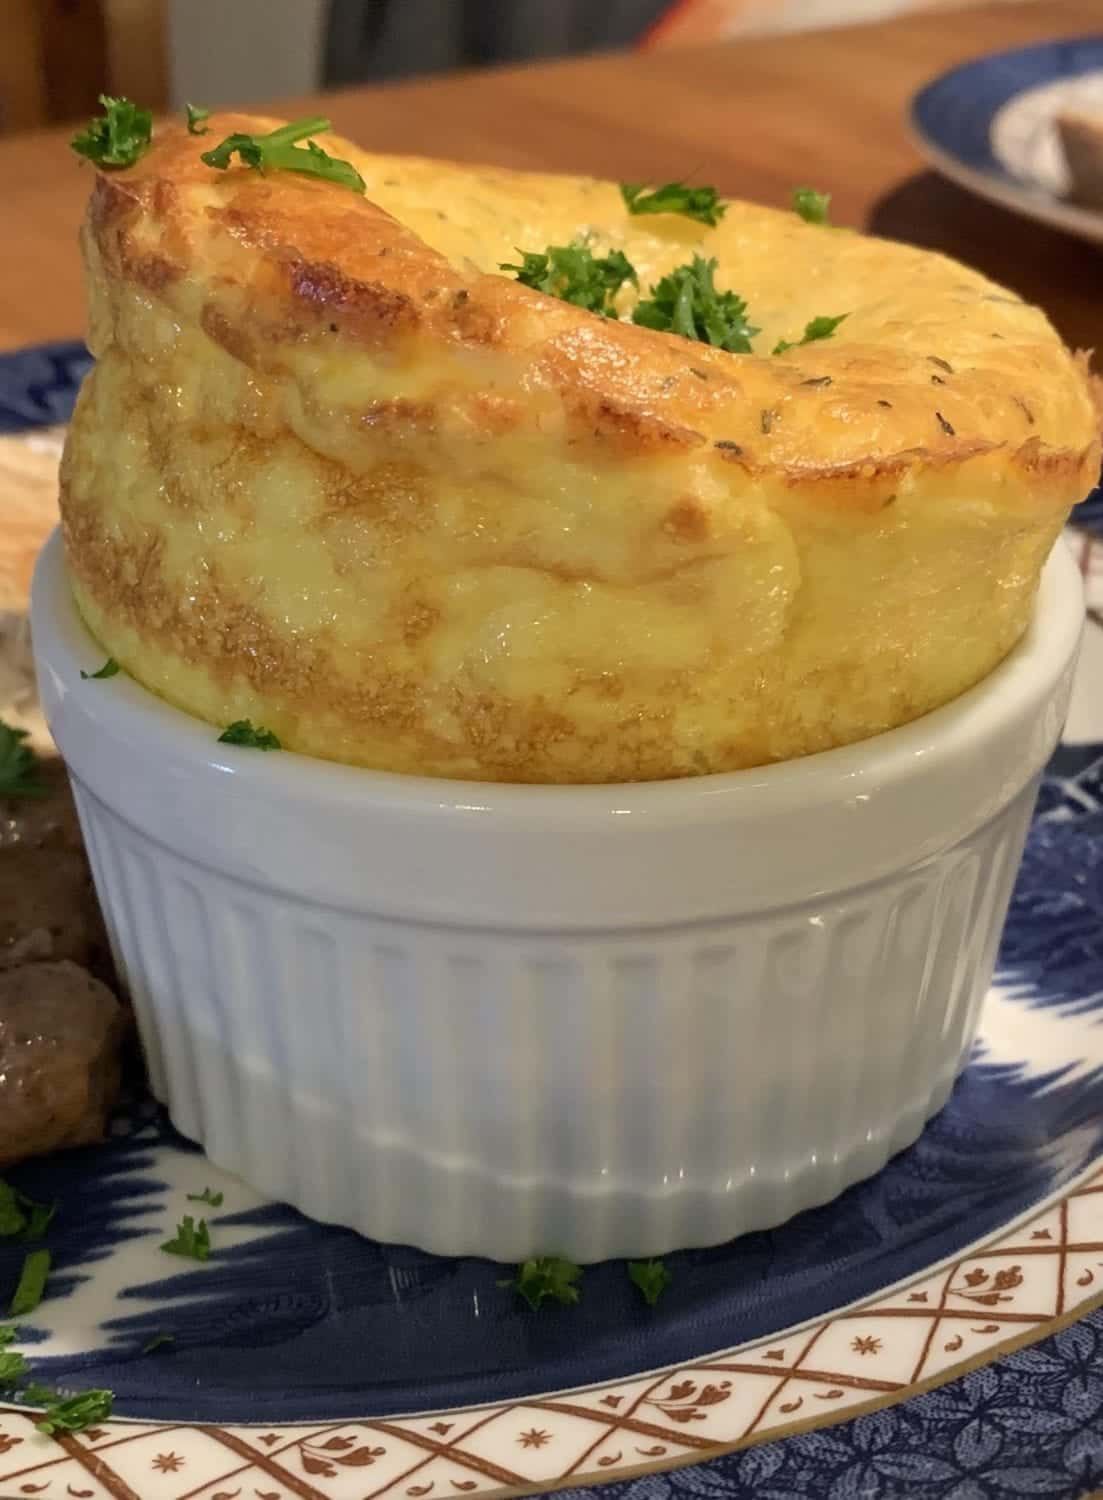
{"x": 511, "y": 1020}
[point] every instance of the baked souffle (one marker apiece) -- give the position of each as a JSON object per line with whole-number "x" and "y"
{"x": 490, "y": 474}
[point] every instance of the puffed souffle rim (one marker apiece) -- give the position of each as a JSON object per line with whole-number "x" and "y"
{"x": 339, "y": 473}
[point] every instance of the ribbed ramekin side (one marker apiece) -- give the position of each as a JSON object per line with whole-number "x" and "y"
{"x": 595, "y": 1094}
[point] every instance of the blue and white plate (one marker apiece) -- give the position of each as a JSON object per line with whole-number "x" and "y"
{"x": 935, "y": 1331}
{"x": 989, "y": 125}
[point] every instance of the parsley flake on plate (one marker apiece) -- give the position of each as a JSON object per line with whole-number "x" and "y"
{"x": 118, "y": 137}
{"x": 18, "y": 777}
{"x": 36, "y": 1394}
{"x": 278, "y": 152}
{"x": 701, "y": 203}
{"x": 206, "y": 1196}
{"x": 818, "y": 328}
{"x": 243, "y": 732}
{"x": 109, "y": 669}
{"x": 575, "y": 275}
{"x": 546, "y": 1278}
{"x": 12, "y": 1218}
{"x": 811, "y": 206}
{"x": 158, "y": 1341}
{"x": 191, "y": 1240}
{"x": 687, "y": 302}
{"x": 196, "y": 118}
{"x": 650, "y": 1277}
{"x": 70, "y": 1413}
{"x": 22, "y": 1215}
{"x": 13, "y": 1365}
{"x": 32, "y": 1283}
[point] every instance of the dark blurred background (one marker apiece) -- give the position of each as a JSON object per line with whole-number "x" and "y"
{"x": 56, "y": 56}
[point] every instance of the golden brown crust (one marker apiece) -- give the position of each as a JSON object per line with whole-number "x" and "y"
{"x": 307, "y": 256}
{"x": 336, "y": 472}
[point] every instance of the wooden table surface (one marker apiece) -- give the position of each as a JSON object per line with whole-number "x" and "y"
{"x": 753, "y": 117}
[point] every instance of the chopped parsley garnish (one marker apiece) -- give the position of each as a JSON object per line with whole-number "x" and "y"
{"x": 35, "y": 1394}
{"x": 158, "y": 1341}
{"x": 13, "y": 1368}
{"x": 197, "y": 118}
{"x": 18, "y": 778}
{"x": 243, "y": 732}
{"x": 701, "y": 203}
{"x": 206, "y": 1196}
{"x": 548, "y": 1278}
{"x": 818, "y": 328}
{"x": 688, "y": 303}
{"x": 109, "y": 669}
{"x": 651, "y": 1277}
{"x": 575, "y": 275}
{"x": 73, "y": 1413}
{"x": 22, "y": 1215}
{"x": 811, "y": 206}
{"x": 32, "y": 1283}
{"x": 13, "y": 1365}
{"x": 191, "y": 1240}
{"x": 63, "y": 1413}
{"x": 117, "y": 137}
{"x": 12, "y": 1218}
{"x": 277, "y": 152}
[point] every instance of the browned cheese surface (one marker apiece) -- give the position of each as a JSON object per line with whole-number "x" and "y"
{"x": 337, "y": 473}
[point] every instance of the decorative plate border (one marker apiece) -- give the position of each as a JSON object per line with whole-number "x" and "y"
{"x": 1027, "y": 1282}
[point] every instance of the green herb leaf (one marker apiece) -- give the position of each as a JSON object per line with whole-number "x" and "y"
{"x": 196, "y": 117}
{"x": 573, "y": 274}
{"x": 243, "y": 732}
{"x": 821, "y": 328}
{"x": 13, "y": 1366}
{"x": 22, "y": 1215}
{"x": 75, "y": 1413}
{"x": 277, "y": 152}
{"x": 651, "y": 1277}
{"x": 688, "y": 303}
{"x": 12, "y": 1218}
{"x": 206, "y": 1196}
{"x": 35, "y": 1394}
{"x": 32, "y": 1283}
{"x": 109, "y": 668}
{"x": 701, "y": 203}
{"x": 818, "y": 328}
{"x": 118, "y": 137}
{"x": 548, "y": 1278}
{"x": 158, "y": 1341}
{"x": 192, "y": 1240}
{"x": 18, "y": 777}
{"x": 811, "y": 206}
